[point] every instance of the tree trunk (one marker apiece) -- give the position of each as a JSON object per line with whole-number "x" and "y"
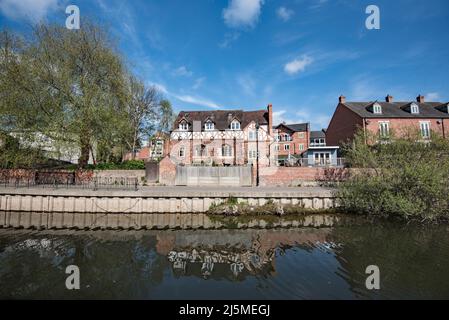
{"x": 83, "y": 160}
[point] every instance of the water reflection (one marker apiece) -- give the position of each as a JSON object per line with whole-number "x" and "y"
{"x": 229, "y": 264}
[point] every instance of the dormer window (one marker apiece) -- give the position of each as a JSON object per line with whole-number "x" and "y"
{"x": 209, "y": 125}
{"x": 414, "y": 109}
{"x": 183, "y": 126}
{"x": 235, "y": 125}
{"x": 377, "y": 108}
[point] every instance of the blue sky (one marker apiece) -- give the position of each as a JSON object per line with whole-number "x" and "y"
{"x": 299, "y": 55}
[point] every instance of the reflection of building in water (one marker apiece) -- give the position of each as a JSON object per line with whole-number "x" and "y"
{"x": 235, "y": 253}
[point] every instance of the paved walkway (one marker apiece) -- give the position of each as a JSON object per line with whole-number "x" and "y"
{"x": 178, "y": 192}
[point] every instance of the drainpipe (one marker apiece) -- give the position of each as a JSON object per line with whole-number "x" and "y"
{"x": 235, "y": 151}
{"x": 364, "y": 129}
{"x": 442, "y": 125}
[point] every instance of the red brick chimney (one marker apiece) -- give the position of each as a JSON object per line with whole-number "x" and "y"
{"x": 389, "y": 98}
{"x": 270, "y": 119}
{"x": 342, "y": 99}
{"x": 420, "y": 99}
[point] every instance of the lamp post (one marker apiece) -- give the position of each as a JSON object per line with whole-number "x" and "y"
{"x": 257, "y": 153}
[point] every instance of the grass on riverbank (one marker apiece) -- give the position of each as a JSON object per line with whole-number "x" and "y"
{"x": 232, "y": 207}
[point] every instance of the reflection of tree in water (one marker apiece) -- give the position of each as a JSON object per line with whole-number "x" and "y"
{"x": 413, "y": 260}
{"x": 111, "y": 264}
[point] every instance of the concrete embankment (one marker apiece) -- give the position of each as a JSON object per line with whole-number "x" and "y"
{"x": 78, "y": 208}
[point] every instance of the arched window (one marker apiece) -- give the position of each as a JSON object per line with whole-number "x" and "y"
{"x": 235, "y": 125}
{"x": 226, "y": 150}
{"x": 414, "y": 108}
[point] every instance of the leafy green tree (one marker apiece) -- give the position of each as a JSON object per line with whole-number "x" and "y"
{"x": 167, "y": 116}
{"x": 64, "y": 84}
{"x": 403, "y": 177}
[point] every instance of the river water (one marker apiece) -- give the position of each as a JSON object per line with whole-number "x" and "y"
{"x": 295, "y": 263}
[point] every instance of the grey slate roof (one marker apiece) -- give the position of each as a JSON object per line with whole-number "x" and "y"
{"x": 399, "y": 109}
{"x": 223, "y": 118}
{"x": 297, "y": 127}
{"x": 317, "y": 134}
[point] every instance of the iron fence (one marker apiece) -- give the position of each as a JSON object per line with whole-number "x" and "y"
{"x": 67, "y": 181}
{"x": 306, "y": 162}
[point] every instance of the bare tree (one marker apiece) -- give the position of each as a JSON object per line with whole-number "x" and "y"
{"x": 142, "y": 112}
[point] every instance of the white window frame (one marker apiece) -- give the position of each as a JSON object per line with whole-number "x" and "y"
{"x": 252, "y": 135}
{"x": 235, "y": 125}
{"x": 377, "y": 108}
{"x": 384, "y": 129}
{"x": 301, "y": 135}
{"x": 286, "y": 147}
{"x": 226, "y": 150}
{"x": 209, "y": 126}
{"x": 277, "y": 147}
{"x": 425, "y": 129}
{"x": 301, "y": 147}
{"x": 183, "y": 126}
{"x": 252, "y": 154}
{"x": 414, "y": 108}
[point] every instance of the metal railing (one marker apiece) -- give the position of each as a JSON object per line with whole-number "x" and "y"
{"x": 70, "y": 182}
{"x": 305, "y": 162}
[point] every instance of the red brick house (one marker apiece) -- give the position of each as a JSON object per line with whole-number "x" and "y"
{"x": 157, "y": 148}
{"x": 223, "y": 137}
{"x": 383, "y": 118}
{"x": 292, "y": 139}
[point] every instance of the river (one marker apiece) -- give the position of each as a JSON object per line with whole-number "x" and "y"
{"x": 293, "y": 263}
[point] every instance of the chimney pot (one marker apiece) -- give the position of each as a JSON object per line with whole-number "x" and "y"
{"x": 270, "y": 119}
{"x": 342, "y": 99}
{"x": 420, "y": 99}
{"x": 389, "y": 98}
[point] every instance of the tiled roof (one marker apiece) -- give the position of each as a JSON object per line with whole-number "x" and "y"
{"x": 297, "y": 127}
{"x": 317, "y": 134}
{"x": 223, "y": 118}
{"x": 399, "y": 109}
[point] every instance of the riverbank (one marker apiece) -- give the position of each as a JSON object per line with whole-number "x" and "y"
{"x": 149, "y": 207}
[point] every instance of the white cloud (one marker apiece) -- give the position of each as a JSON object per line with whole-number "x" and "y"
{"x": 242, "y": 13}
{"x": 247, "y": 83}
{"x": 278, "y": 117}
{"x": 284, "y": 13}
{"x": 317, "y": 121}
{"x": 198, "y": 101}
{"x": 228, "y": 39}
{"x": 182, "y": 72}
{"x": 432, "y": 96}
{"x": 318, "y": 4}
{"x": 198, "y": 83}
{"x": 33, "y": 10}
{"x": 298, "y": 65}
{"x": 159, "y": 87}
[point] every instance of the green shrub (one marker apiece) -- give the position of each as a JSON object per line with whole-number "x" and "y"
{"x": 126, "y": 165}
{"x": 405, "y": 178}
